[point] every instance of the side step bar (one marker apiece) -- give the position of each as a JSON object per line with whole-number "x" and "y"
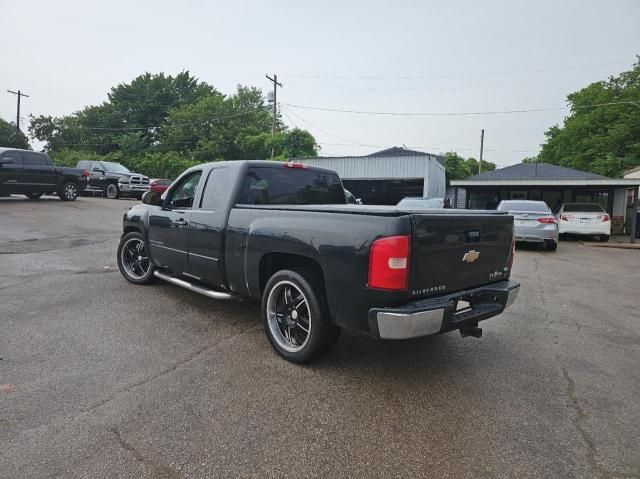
{"x": 210, "y": 293}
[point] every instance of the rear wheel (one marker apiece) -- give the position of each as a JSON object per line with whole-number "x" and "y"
{"x": 133, "y": 260}
{"x": 604, "y": 238}
{"x": 551, "y": 245}
{"x": 34, "y": 196}
{"x": 296, "y": 317}
{"x": 111, "y": 191}
{"x": 69, "y": 191}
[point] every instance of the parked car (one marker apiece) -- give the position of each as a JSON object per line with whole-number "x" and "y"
{"x": 33, "y": 174}
{"x": 282, "y": 233}
{"x": 114, "y": 180}
{"x": 159, "y": 185}
{"x": 584, "y": 219}
{"x": 533, "y": 222}
{"x": 424, "y": 203}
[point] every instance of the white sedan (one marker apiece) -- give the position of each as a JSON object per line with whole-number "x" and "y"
{"x": 584, "y": 219}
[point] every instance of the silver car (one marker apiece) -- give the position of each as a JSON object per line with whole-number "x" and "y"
{"x": 533, "y": 222}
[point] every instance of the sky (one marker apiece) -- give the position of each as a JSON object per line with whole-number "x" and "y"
{"x": 448, "y": 58}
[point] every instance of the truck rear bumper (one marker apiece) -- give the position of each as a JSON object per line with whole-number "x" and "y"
{"x": 442, "y": 314}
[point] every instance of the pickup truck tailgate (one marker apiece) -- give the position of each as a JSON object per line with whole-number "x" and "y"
{"x": 450, "y": 254}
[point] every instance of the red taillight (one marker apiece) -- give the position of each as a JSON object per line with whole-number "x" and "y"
{"x": 566, "y": 217}
{"x": 389, "y": 263}
{"x": 86, "y": 173}
{"x": 605, "y": 218}
{"x": 299, "y": 166}
{"x": 548, "y": 220}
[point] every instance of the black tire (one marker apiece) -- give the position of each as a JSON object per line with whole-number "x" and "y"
{"x": 125, "y": 266}
{"x": 34, "y": 196}
{"x": 111, "y": 191}
{"x": 551, "y": 245}
{"x": 604, "y": 238}
{"x": 69, "y": 191}
{"x": 322, "y": 334}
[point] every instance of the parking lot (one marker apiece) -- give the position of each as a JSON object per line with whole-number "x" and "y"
{"x": 99, "y": 378}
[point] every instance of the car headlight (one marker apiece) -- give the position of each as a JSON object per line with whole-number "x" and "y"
{"x": 124, "y": 180}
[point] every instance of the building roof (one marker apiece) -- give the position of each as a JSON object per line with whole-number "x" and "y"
{"x": 543, "y": 171}
{"x": 539, "y": 174}
{"x": 395, "y": 151}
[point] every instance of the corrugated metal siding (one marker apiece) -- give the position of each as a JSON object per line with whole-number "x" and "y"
{"x": 619, "y": 202}
{"x": 357, "y": 168}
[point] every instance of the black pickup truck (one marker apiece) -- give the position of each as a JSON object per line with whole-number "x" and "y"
{"x": 33, "y": 174}
{"x": 282, "y": 233}
{"x": 114, "y": 180}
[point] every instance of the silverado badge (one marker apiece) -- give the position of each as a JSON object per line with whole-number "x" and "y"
{"x": 470, "y": 256}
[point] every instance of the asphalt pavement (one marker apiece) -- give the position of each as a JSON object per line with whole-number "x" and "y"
{"x": 100, "y": 378}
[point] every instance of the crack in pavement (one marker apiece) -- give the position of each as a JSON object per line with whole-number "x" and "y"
{"x": 596, "y": 467}
{"x": 149, "y": 468}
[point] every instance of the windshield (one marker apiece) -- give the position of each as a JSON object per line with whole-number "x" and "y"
{"x": 430, "y": 203}
{"x": 115, "y": 167}
{"x": 583, "y": 208}
{"x": 537, "y": 206}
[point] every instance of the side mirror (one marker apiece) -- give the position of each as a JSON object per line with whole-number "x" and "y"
{"x": 6, "y": 161}
{"x": 152, "y": 198}
{"x": 95, "y": 168}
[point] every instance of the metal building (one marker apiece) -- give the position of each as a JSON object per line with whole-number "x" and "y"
{"x": 387, "y": 176}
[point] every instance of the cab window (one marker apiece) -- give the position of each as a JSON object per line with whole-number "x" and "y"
{"x": 183, "y": 193}
{"x": 34, "y": 159}
{"x": 12, "y": 155}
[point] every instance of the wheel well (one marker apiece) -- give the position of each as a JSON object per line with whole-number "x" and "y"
{"x": 130, "y": 229}
{"x": 274, "y": 262}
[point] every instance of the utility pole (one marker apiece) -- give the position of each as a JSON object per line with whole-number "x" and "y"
{"x": 481, "y": 150}
{"x": 275, "y": 96}
{"x": 20, "y": 94}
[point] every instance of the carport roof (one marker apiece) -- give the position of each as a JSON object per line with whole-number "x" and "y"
{"x": 538, "y": 174}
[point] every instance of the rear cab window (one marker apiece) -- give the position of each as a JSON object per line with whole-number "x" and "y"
{"x": 583, "y": 208}
{"x": 282, "y": 185}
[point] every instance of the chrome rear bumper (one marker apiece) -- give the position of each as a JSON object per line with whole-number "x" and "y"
{"x": 439, "y": 315}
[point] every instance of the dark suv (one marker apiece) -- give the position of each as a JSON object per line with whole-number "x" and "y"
{"x": 114, "y": 180}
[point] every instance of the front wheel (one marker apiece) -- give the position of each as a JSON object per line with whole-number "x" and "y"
{"x": 296, "y": 317}
{"x": 69, "y": 191}
{"x": 34, "y": 196}
{"x": 133, "y": 260}
{"x": 111, "y": 191}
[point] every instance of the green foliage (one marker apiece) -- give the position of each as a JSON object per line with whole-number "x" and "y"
{"x": 458, "y": 168}
{"x": 159, "y": 125}
{"x": 11, "y": 138}
{"x": 603, "y": 139}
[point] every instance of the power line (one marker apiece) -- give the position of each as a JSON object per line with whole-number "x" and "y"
{"x": 169, "y": 125}
{"x": 452, "y": 75}
{"x": 468, "y": 113}
{"x": 447, "y": 88}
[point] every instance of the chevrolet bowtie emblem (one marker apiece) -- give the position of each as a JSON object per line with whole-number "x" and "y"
{"x": 470, "y": 256}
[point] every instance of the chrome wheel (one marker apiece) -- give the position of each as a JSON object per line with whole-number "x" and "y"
{"x": 134, "y": 259}
{"x": 70, "y": 191}
{"x": 112, "y": 191}
{"x": 288, "y": 316}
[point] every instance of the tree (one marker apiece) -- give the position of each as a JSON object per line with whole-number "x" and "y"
{"x": 457, "y": 168}
{"x": 602, "y": 132}
{"x": 10, "y": 137}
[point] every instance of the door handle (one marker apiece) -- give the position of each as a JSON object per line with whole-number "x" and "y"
{"x": 181, "y": 223}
